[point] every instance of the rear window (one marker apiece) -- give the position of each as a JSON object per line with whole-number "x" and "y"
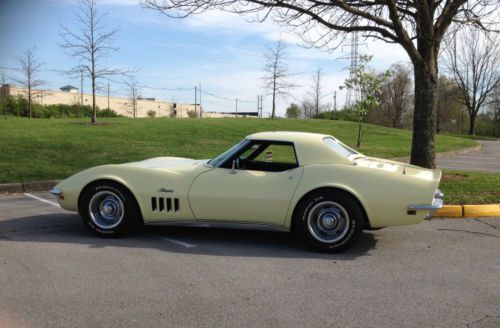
{"x": 338, "y": 147}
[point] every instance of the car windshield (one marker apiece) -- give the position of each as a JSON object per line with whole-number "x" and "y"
{"x": 222, "y": 157}
{"x": 339, "y": 147}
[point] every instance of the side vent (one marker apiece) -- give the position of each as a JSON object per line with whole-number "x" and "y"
{"x": 160, "y": 204}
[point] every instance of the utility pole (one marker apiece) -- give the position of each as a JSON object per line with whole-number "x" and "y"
{"x": 108, "y": 96}
{"x": 195, "y": 101}
{"x": 201, "y": 108}
{"x": 236, "y": 107}
{"x": 4, "y": 96}
{"x": 259, "y": 106}
{"x": 81, "y": 93}
{"x": 335, "y": 100}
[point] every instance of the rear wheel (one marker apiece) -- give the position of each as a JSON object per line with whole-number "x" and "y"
{"x": 329, "y": 220}
{"x": 109, "y": 209}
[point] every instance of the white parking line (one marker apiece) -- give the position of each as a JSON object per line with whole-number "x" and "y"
{"x": 42, "y": 199}
{"x": 178, "y": 242}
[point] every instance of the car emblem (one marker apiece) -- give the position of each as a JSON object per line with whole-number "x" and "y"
{"x": 165, "y": 190}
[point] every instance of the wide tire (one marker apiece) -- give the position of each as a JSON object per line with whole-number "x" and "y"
{"x": 109, "y": 209}
{"x": 329, "y": 221}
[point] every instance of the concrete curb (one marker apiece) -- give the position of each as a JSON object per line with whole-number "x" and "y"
{"x": 469, "y": 211}
{"x": 17, "y": 188}
{"x": 406, "y": 159}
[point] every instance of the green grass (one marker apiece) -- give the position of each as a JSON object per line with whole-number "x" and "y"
{"x": 42, "y": 149}
{"x": 466, "y": 187}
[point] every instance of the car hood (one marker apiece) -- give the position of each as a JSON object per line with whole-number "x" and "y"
{"x": 165, "y": 163}
{"x": 398, "y": 168}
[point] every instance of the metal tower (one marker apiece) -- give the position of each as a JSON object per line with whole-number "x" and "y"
{"x": 353, "y": 95}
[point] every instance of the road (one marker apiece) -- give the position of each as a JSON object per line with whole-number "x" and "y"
{"x": 54, "y": 273}
{"x": 487, "y": 159}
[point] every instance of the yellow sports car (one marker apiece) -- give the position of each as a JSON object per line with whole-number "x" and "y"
{"x": 311, "y": 184}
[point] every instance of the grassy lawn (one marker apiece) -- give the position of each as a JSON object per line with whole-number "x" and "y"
{"x": 42, "y": 149}
{"x": 466, "y": 187}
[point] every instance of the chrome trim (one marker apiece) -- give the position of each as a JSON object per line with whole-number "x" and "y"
{"x": 221, "y": 224}
{"x": 438, "y": 194}
{"x": 423, "y": 207}
{"x": 56, "y": 191}
{"x": 437, "y": 203}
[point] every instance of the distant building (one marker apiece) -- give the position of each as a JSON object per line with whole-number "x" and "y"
{"x": 69, "y": 95}
{"x": 69, "y": 88}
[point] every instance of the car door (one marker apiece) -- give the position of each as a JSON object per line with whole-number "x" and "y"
{"x": 245, "y": 195}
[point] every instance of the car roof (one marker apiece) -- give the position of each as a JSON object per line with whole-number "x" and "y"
{"x": 286, "y": 136}
{"x": 310, "y": 147}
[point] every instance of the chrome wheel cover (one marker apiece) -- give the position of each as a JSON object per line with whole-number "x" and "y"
{"x": 106, "y": 209}
{"x": 328, "y": 222}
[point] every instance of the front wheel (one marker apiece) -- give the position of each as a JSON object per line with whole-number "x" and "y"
{"x": 329, "y": 220}
{"x": 109, "y": 209}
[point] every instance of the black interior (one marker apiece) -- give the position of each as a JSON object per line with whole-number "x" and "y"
{"x": 266, "y": 166}
{"x": 249, "y": 163}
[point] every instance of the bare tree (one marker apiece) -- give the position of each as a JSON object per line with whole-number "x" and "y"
{"x": 276, "y": 78}
{"x": 494, "y": 110}
{"x": 449, "y": 106}
{"x": 418, "y": 26}
{"x": 134, "y": 93}
{"x": 475, "y": 68}
{"x": 396, "y": 97}
{"x": 317, "y": 90}
{"x": 90, "y": 44}
{"x": 31, "y": 68}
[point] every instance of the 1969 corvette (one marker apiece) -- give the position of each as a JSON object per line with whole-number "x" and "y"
{"x": 308, "y": 183}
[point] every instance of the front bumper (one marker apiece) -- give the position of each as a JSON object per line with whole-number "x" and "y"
{"x": 56, "y": 192}
{"x": 437, "y": 203}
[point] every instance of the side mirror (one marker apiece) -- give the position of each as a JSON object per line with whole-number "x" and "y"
{"x": 233, "y": 167}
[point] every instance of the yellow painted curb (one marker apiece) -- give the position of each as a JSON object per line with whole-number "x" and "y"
{"x": 474, "y": 211}
{"x": 450, "y": 211}
{"x": 468, "y": 211}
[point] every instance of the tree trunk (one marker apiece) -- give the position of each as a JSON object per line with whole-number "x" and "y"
{"x": 472, "y": 124}
{"x": 359, "y": 135}
{"x": 424, "y": 118}
{"x": 29, "y": 101}
{"x": 274, "y": 100}
{"x": 94, "y": 112}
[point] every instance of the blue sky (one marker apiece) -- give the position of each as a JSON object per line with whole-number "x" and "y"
{"x": 223, "y": 51}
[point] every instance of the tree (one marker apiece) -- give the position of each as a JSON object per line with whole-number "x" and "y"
{"x": 91, "y": 44}
{"x": 133, "y": 91}
{"x": 31, "y": 68}
{"x": 418, "y": 26}
{"x": 396, "y": 95}
{"x": 293, "y": 111}
{"x": 449, "y": 107}
{"x": 276, "y": 78}
{"x": 368, "y": 83}
{"x": 475, "y": 68}
{"x": 494, "y": 110}
{"x": 317, "y": 90}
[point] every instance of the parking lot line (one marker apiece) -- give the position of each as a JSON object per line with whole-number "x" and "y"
{"x": 42, "y": 199}
{"x": 178, "y": 242}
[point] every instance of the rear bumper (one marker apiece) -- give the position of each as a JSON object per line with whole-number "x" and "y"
{"x": 437, "y": 203}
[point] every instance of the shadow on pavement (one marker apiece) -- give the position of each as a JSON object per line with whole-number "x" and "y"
{"x": 68, "y": 228}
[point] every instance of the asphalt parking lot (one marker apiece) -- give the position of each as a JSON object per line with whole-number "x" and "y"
{"x": 54, "y": 273}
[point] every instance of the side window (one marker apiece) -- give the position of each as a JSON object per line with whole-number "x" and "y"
{"x": 269, "y": 157}
{"x": 278, "y": 154}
